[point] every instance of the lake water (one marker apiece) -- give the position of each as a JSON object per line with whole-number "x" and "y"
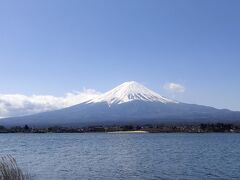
{"x": 125, "y": 156}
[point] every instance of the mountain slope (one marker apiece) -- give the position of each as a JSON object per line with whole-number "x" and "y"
{"x": 129, "y": 103}
{"x": 130, "y": 91}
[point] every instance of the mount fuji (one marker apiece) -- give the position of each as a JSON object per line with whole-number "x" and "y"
{"x": 128, "y": 104}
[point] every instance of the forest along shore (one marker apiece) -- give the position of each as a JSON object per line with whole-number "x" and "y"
{"x": 163, "y": 128}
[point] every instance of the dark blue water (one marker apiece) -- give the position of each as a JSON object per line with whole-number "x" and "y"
{"x": 125, "y": 156}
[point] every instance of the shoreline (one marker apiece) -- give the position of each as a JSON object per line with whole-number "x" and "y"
{"x": 123, "y": 132}
{"x": 130, "y": 129}
{"x": 128, "y": 132}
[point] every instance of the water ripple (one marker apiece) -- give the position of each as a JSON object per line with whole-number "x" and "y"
{"x": 126, "y": 156}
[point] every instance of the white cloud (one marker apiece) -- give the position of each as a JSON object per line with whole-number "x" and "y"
{"x": 18, "y": 104}
{"x": 174, "y": 87}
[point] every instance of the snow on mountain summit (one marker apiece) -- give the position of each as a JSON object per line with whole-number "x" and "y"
{"x": 115, "y": 108}
{"x": 130, "y": 91}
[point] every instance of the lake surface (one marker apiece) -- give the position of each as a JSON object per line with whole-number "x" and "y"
{"x": 125, "y": 156}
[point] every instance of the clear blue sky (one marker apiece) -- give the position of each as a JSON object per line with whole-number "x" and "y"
{"x": 54, "y": 47}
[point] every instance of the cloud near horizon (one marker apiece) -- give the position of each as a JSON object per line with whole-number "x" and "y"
{"x": 174, "y": 87}
{"x": 19, "y": 105}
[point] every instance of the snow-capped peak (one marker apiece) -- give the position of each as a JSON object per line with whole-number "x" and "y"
{"x": 130, "y": 91}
